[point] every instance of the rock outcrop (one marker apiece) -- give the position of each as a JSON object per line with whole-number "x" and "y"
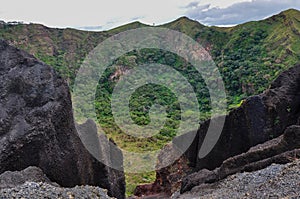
{"x": 32, "y": 183}
{"x": 11, "y": 179}
{"x": 37, "y": 126}
{"x": 281, "y": 150}
{"x": 275, "y": 181}
{"x": 259, "y": 119}
{"x": 34, "y": 190}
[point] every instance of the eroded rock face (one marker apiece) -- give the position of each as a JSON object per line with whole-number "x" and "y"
{"x": 281, "y": 150}
{"x": 37, "y": 126}
{"x": 259, "y": 119}
{"x": 275, "y": 181}
{"x": 11, "y": 179}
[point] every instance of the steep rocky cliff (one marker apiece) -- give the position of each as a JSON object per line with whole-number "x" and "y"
{"x": 37, "y": 126}
{"x": 259, "y": 119}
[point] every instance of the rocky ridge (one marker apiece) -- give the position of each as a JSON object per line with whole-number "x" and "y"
{"x": 281, "y": 150}
{"x": 37, "y": 127}
{"x": 259, "y": 119}
{"x": 274, "y": 181}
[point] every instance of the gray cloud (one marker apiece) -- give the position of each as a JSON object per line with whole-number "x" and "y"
{"x": 239, "y": 12}
{"x": 194, "y": 4}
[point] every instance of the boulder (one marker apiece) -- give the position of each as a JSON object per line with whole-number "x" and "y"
{"x": 37, "y": 126}
{"x": 11, "y": 179}
{"x": 37, "y": 190}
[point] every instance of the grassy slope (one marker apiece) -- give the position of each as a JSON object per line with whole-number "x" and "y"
{"x": 249, "y": 56}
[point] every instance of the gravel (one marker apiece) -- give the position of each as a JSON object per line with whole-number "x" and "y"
{"x": 275, "y": 181}
{"x": 32, "y": 190}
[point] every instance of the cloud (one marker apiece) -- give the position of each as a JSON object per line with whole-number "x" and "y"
{"x": 239, "y": 12}
{"x": 107, "y": 13}
{"x": 194, "y": 4}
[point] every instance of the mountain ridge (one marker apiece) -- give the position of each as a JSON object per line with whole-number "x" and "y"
{"x": 51, "y": 41}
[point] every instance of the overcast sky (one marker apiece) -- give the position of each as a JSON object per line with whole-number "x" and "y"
{"x": 106, "y": 14}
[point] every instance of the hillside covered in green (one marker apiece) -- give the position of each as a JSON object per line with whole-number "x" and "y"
{"x": 249, "y": 57}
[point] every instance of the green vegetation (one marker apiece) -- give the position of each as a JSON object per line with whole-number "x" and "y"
{"x": 249, "y": 57}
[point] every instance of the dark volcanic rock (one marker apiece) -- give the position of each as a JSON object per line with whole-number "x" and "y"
{"x": 37, "y": 126}
{"x": 33, "y": 183}
{"x": 11, "y": 179}
{"x": 275, "y": 181}
{"x": 107, "y": 152}
{"x": 34, "y": 190}
{"x": 259, "y": 119}
{"x": 281, "y": 150}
